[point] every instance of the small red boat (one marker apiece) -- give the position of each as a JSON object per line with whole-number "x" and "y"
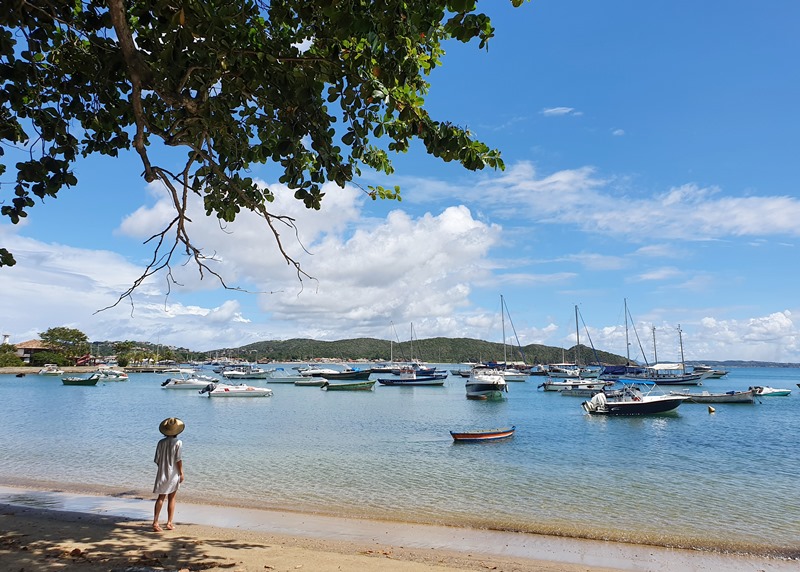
{"x": 483, "y": 435}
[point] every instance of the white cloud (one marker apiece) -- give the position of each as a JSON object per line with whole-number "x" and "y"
{"x": 369, "y": 272}
{"x": 556, "y": 111}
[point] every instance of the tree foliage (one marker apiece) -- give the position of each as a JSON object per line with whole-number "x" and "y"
{"x": 71, "y": 343}
{"x": 39, "y": 359}
{"x": 9, "y": 357}
{"x": 321, "y": 88}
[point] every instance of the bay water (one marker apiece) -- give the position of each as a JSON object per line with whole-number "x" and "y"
{"x": 724, "y": 481}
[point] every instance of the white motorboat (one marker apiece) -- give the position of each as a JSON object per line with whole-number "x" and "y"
{"x": 573, "y": 383}
{"x": 191, "y": 380}
{"x": 631, "y": 400}
{"x": 484, "y": 383}
{"x": 714, "y": 373}
{"x": 241, "y": 390}
{"x": 280, "y": 375}
{"x": 108, "y": 374}
{"x": 766, "y": 391}
{"x": 245, "y": 372}
{"x": 317, "y": 371}
{"x": 513, "y": 374}
{"x": 51, "y": 369}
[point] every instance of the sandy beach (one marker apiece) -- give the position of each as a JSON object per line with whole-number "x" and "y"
{"x": 114, "y": 534}
{"x": 37, "y": 539}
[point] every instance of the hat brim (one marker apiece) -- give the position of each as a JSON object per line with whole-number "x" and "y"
{"x": 171, "y": 427}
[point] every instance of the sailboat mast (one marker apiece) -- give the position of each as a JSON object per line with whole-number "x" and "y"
{"x": 655, "y": 350}
{"x": 503, "y": 320}
{"x": 627, "y": 341}
{"x": 680, "y": 337}
{"x": 577, "y": 339}
{"x": 412, "y": 342}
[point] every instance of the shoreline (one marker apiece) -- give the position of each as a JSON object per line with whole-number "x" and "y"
{"x": 48, "y": 518}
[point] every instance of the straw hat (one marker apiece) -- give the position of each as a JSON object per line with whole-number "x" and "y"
{"x": 171, "y": 426}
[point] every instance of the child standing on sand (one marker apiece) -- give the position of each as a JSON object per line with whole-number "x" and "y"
{"x": 170, "y": 469}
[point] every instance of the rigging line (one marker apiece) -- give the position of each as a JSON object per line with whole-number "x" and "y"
{"x": 519, "y": 345}
{"x": 591, "y": 343}
{"x": 399, "y": 343}
{"x": 641, "y": 349}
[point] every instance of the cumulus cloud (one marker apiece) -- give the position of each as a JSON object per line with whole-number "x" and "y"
{"x": 366, "y": 272}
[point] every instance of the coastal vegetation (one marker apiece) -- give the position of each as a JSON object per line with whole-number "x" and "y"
{"x": 433, "y": 350}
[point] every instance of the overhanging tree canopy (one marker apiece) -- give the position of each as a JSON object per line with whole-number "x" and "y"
{"x": 321, "y": 88}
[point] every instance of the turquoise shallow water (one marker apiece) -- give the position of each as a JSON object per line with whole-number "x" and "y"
{"x": 725, "y": 481}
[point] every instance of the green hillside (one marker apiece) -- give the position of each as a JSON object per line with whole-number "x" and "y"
{"x": 434, "y": 350}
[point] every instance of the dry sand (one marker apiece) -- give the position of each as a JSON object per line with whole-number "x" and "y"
{"x": 42, "y": 539}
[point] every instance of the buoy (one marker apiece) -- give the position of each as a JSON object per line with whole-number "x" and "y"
{"x": 711, "y": 409}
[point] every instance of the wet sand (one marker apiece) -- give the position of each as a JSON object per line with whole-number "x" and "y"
{"x": 49, "y": 530}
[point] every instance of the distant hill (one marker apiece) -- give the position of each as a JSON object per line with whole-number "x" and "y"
{"x": 434, "y": 350}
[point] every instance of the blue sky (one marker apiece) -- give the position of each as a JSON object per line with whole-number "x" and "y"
{"x": 651, "y": 155}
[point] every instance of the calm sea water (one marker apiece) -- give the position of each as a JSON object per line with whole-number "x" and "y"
{"x": 726, "y": 481}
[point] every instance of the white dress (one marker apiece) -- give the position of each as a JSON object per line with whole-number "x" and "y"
{"x": 168, "y": 453}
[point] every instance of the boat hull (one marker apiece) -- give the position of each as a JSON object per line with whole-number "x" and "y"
{"x": 641, "y": 408}
{"x": 86, "y": 381}
{"x": 311, "y": 382}
{"x": 688, "y": 379}
{"x": 770, "y": 391}
{"x": 482, "y": 435}
{"x": 730, "y": 397}
{"x": 437, "y": 379}
{"x": 356, "y": 386}
{"x": 247, "y": 392}
{"x": 631, "y": 401}
{"x": 349, "y": 375}
{"x": 577, "y": 384}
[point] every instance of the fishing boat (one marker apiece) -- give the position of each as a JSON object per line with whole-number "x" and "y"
{"x": 483, "y": 434}
{"x": 766, "y": 391}
{"x": 631, "y": 400}
{"x": 91, "y": 380}
{"x": 353, "y": 386}
{"x": 241, "y": 390}
{"x": 726, "y": 397}
{"x": 409, "y": 376}
{"x": 484, "y": 383}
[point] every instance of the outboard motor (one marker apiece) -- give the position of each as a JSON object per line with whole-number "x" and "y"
{"x": 208, "y": 388}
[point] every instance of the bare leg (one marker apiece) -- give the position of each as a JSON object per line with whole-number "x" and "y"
{"x": 157, "y": 512}
{"x": 171, "y": 510}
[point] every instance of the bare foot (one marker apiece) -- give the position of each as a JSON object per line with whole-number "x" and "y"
{"x": 170, "y": 526}
{"x": 156, "y": 528}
